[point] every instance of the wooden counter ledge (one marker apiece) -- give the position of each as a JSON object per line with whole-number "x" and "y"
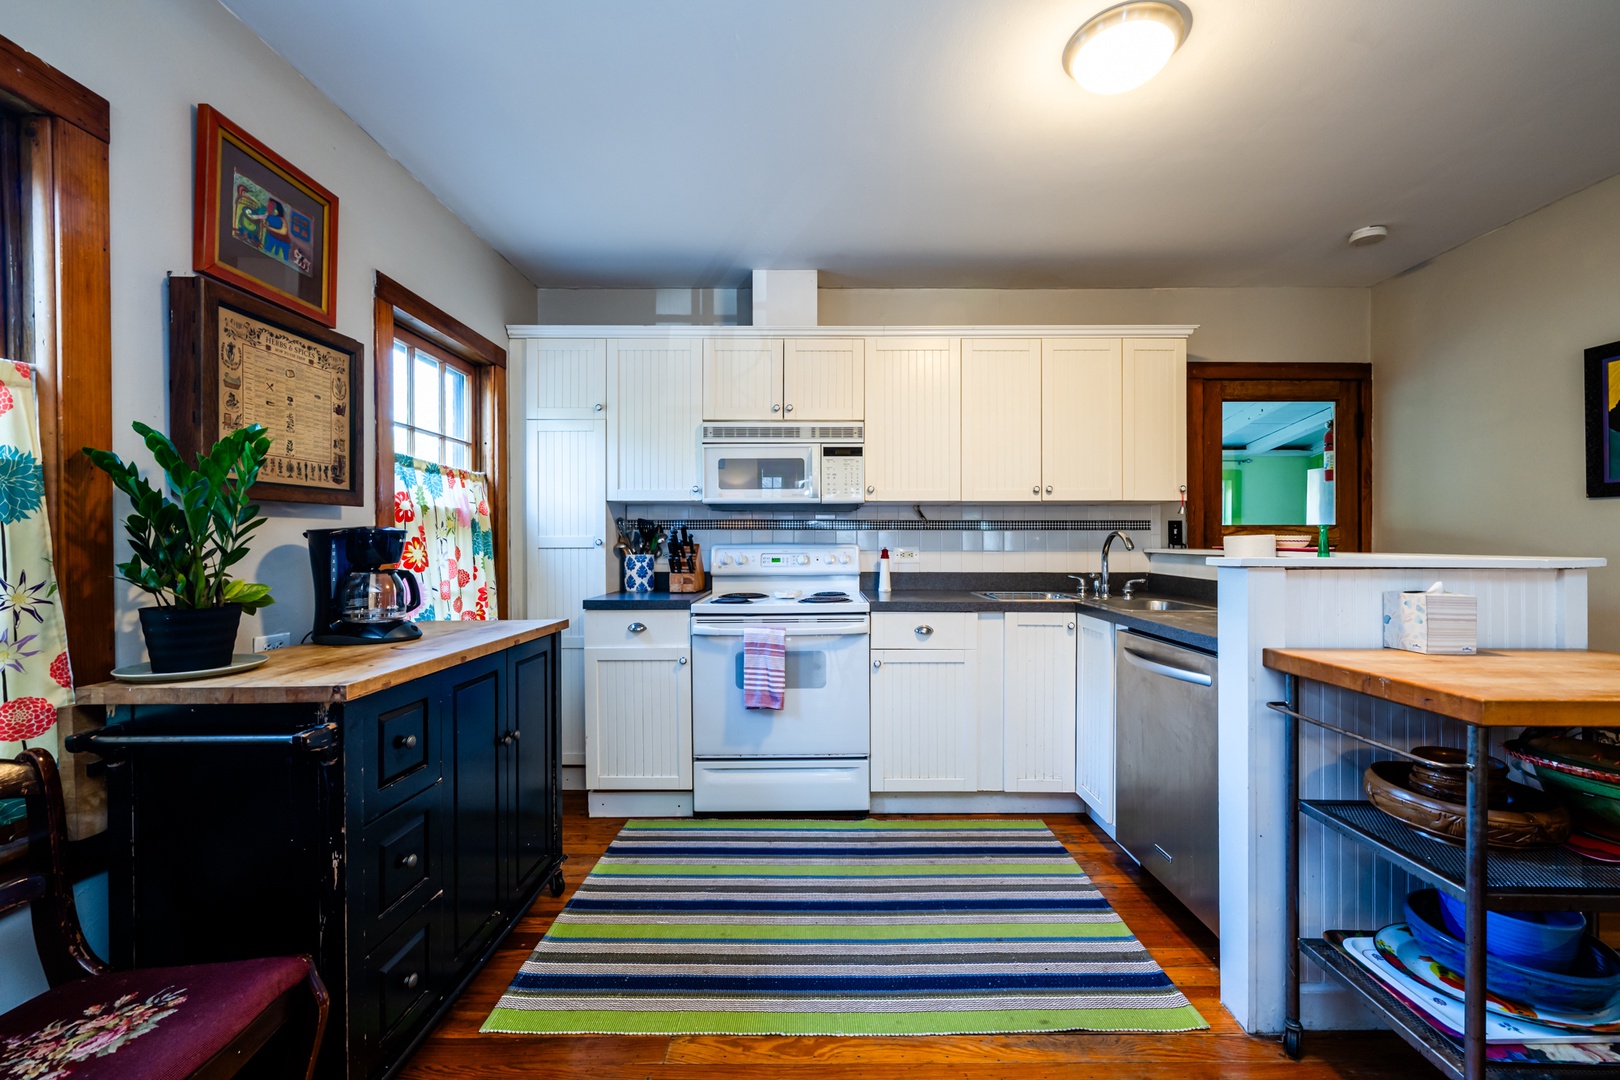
{"x": 1493, "y": 688}
{"x": 327, "y": 674}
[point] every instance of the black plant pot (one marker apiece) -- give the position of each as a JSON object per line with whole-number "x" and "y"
{"x": 190, "y": 639}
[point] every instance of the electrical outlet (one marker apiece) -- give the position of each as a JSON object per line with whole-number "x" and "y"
{"x": 266, "y": 642}
{"x": 905, "y": 554}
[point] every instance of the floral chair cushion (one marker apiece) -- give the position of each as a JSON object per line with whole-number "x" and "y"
{"x": 149, "y": 1024}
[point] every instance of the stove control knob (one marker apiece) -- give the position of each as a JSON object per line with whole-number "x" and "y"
{"x": 725, "y": 560}
{"x": 742, "y": 560}
{"x": 804, "y": 560}
{"x": 843, "y": 556}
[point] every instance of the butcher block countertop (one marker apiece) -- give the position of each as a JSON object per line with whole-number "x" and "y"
{"x": 329, "y": 674}
{"x": 1492, "y": 688}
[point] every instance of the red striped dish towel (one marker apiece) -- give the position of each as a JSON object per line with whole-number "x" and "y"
{"x": 764, "y": 666}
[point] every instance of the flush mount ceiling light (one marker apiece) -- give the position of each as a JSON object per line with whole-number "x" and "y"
{"x": 1368, "y": 234}
{"x": 1123, "y": 47}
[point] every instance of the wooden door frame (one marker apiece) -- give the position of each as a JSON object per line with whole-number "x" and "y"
{"x": 1204, "y": 503}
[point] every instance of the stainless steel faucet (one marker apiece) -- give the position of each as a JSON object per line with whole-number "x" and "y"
{"x": 1102, "y": 583}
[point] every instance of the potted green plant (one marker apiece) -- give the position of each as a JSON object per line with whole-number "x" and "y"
{"x": 182, "y": 548}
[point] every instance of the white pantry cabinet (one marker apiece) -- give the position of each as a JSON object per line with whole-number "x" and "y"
{"x": 1038, "y": 674}
{"x": 655, "y": 406}
{"x": 913, "y": 419}
{"x": 565, "y": 378}
{"x": 1094, "y": 718}
{"x": 924, "y": 689}
{"x": 1155, "y": 391}
{"x": 638, "y": 701}
{"x": 775, "y": 379}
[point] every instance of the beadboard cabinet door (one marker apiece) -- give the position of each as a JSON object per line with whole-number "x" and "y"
{"x": 1081, "y": 419}
{"x": 924, "y": 725}
{"x": 913, "y": 419}
{"x": 564, "y": 378}
{"x": 1094, "y": 718}
{"x": 1038, "y": 701}
{"x": 638, "y": 707}
{"x": 823, "y": 378}
{"x": 655, "y": 406}
{"x": 1155, "y": 418}
{"x": 742, "y": 379}
{"x": 1001, "y": 420}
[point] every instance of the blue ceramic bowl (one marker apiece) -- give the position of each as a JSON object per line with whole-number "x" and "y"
{"x": 1549, "y": 940}
{"x": 1591, "y": 986}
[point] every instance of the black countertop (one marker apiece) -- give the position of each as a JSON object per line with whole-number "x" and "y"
{"x": 645, "y": 601}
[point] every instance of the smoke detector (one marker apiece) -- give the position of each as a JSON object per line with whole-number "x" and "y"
{"x": 1368, "y": 235}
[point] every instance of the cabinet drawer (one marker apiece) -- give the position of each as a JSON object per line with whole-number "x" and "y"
{"x": 617, "y": 629}
{"x": 395, "y": 865}
{"x": 924, "y": 630}
{"x": 397, "y": 745}
{"x": 393, "y": 989}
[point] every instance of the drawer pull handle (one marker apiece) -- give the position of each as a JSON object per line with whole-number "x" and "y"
{"x": 405, "y": 742}
{"x": 925, "y": 630}
{"x": 506, "y": 740}
{"x": 409, "y": 861}
{"x": 637, "y": 627}
{"x": 410, "y": 981}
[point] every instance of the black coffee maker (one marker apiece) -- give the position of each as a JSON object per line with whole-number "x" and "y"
{"x": 360, "y": 597}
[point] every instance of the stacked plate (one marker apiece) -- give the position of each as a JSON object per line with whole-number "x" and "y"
{"x": 1585, "y": 777}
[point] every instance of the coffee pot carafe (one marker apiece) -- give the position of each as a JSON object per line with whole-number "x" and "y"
{"x": 361, "y": 597}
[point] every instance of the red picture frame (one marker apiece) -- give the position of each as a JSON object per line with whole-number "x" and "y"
{"x": 261, "y": 224}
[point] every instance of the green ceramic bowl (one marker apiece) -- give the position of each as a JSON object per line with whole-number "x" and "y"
{"x": 1594, "y": 804}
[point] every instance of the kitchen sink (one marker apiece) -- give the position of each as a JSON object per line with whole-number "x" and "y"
{"x": 1144, "y": 603}
{"x": 1028, "y": 595}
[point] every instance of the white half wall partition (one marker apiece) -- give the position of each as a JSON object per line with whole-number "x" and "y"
{"x": 1337, "y": 602}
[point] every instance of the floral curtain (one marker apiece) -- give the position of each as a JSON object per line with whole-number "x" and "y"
{"x": 35, "y": 678}
{"x": 449, "y": 543}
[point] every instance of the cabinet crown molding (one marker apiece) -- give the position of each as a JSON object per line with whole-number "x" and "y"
{"x": 1179, "y": 330}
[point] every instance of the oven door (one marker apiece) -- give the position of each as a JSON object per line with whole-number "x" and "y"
{"x": 744, "y": 473}
{"x": 825, "y": 711}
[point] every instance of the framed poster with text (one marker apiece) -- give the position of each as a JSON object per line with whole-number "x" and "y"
{"x": 236, "y": 360}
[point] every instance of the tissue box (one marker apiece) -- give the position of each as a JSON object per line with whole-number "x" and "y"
{"x": 1430, "y": 622}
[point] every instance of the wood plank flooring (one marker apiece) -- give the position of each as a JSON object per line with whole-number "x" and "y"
{"x": 1177, "y": 941}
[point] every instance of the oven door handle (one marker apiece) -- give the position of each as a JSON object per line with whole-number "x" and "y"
{"x": 794, "y": 632}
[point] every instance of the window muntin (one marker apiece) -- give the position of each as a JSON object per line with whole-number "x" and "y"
{"x": 434, "y": 394}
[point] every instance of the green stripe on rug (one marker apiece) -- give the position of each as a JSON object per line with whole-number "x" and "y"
{"x": 923, "y": 981}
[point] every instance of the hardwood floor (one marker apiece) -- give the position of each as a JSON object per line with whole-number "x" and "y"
{"x": 1177, "y": 941}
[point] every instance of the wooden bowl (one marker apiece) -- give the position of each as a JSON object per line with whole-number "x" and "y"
{"x": 1449, "y": 782}
{"x": 1529, "y": 817}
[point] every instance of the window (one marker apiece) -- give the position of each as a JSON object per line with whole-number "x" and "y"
{"x": 435, "y": 396}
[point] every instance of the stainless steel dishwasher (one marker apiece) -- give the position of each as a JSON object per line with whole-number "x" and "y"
{"x": 1166, "y": 717}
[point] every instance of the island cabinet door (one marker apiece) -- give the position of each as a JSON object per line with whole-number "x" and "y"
{"x": 923, "y": 720}
{"x": 533, "y": 809}
{"x": 1038, "y": 702}
{"x": 475, "y": 697}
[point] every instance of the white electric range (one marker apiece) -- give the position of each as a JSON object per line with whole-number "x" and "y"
{"x": 812, "y": 754}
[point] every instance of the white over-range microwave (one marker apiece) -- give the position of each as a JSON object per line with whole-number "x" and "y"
{"x": 783, "y": 464}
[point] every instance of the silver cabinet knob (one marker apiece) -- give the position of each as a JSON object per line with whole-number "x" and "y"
{"x": 636, "y": 627}
{"x": 410, "y": 981}
{"x": 516, "y": 735}
{"x": 405, "y": 742}
{"x": 876, "y": 664}
{"x": 683, "y": 661}
{"x": 1071, "y": 626}
{"x": 597, "y": 407}
{"x": 925, "y": 630}
{"x": 776, "y": 408}
{"x": 598, "y": 542}
{"x": 409, "y": 861}
{"x": 1036, "y": 490}
{"x": 790, "y": 408}
{"x": 1049, "y": 489}
{"x": 695, "y": 489}
{"x": 870, "y": 489}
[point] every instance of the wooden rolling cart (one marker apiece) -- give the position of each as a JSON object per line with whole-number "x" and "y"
{"x": 1494, "y": 689}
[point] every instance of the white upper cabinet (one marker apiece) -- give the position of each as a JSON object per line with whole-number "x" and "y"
{"x": 742, "y": 379}
{"x": 913, "y": 419}
{"x": 1081, "y": 420}
{"x": 566, "y": 379}
{"x": 655, "y": 406}
{"x": 824, "y": 378}
{"x": 775, "y": 379}
{"x": 1155, "y": 418}
{"x": 1001, "y": 420}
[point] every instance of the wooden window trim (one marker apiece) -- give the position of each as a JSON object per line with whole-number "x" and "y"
{"x": 396, "y": 309}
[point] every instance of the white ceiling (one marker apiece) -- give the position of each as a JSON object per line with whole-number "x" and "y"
{"x": 939, "y": 142}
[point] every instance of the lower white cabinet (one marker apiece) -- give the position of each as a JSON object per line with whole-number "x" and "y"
{"x": 1038, "y": 688}
{"x": 924, "y": 692}
{"x": 1094, "y": 718}
{"x": 638, "y": 701}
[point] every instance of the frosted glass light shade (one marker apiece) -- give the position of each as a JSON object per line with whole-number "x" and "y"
{"x": 1125, "y": 46}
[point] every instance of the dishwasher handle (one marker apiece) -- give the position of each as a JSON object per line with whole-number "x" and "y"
{"x": 1169, "y": 671}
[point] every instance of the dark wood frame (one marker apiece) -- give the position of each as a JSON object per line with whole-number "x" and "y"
{"x": 1599, "y": 485}
{"x": 1204, "y": 439}
{"x": 194, "y": 304}
{"x": 212, "y": 129}
{"x": 396, "y": 307}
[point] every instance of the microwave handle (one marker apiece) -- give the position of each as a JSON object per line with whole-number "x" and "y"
{"x": 792, "y": 632}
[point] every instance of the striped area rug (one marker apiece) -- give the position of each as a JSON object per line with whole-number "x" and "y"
{"x": 839, "y": 928}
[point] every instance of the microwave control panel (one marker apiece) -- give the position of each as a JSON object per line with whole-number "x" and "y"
{"x": 843, "y": 474}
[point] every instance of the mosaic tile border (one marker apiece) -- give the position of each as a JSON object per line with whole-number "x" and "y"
{"x": 899, "y": 524}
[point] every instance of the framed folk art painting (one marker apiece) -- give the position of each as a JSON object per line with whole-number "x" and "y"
{"x": 236, "y": 360}
{"x": 1603, "y": 421}
{"x": 261, "y": 224}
